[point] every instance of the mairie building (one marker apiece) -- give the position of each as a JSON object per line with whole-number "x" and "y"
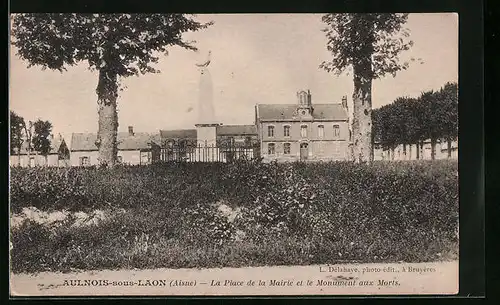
{"x": 303, "y": 130}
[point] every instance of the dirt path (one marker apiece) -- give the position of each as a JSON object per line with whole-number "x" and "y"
{"x": 400, "y": 278}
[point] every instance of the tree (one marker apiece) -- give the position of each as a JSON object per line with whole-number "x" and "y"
{"x": 114, "y": 45}
{"x": 41, "y": 137}
{"x": 16, "y": 134}
{"x": 431, "y": 113}
{"x": 448, "y": 103}
{"x": 370, "y": 44}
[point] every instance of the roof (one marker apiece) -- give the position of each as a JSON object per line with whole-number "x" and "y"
{"x": 236, "y": 130}
{"x": 179, "y": 134}
{"x": 55, "y": 143}
{"x": 287, "y": 112}
{"x": 137, "y": 141}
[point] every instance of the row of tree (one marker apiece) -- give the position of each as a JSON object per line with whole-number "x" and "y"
{"x": 34, "y": 136}
{"x": 433, "y": 115}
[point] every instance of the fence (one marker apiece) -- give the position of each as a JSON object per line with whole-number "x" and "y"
{"x": 210, "y": 153}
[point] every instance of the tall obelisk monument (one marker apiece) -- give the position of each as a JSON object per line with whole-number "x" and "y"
{"x": 207, "y": 124}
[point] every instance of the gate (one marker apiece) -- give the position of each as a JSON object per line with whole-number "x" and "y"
{"x": 209, "y": 153}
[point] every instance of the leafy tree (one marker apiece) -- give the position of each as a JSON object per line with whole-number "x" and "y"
{"x": 114, "y": 45}
{"x": 16, "y": 134}
{"x": 431, "y": 113}
{"x": 448, "y": 104}
{"x": 370, "y": 44}
{"x": 41, "y": 137}
{"x": 417, "y": 135}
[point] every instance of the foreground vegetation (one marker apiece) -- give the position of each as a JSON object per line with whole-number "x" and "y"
{"x": 274, "y": 214}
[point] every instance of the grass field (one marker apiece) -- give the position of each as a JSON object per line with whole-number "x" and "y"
{"x": 233, "y": 215}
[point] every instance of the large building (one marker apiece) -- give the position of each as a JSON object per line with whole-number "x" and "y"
{"x": 304, "y": 130}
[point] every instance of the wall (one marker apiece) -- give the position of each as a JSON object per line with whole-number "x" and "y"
{"x": 411, "y": 152}
{"x": 38, "y": 160}
{"x": 312, "y": 130}
{"x": 132, "y": 157}
{"x": 317, "y": 151}
{"x": 206, "y": 135}
{"x": 327, "y": 148}
{"x": 75, "y": 157}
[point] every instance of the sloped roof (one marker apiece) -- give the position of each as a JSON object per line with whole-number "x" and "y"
{"x": 86, "y": 141}
{"x": 179, "y": 134}
{"x": 55, "y": 143}
{"x": 287, "y": 112}
{"x": 236, "y": 130}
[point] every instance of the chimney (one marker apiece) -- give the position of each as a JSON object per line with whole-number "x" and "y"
{"x": 130, "y": 130}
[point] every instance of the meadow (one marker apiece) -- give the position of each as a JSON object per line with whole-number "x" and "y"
{"x": 249, "y": 213}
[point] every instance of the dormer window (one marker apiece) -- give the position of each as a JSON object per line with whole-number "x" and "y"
{"x": 304, "y": 98}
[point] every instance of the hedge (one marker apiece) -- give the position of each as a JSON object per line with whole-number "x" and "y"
{"x": 293, "y": 213}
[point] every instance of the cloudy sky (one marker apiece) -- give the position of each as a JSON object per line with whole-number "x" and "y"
{"x": 256, "y": 58}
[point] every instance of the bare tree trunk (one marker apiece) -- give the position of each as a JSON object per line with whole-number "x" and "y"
{"x": 433, "y": 148}
{"x": 362, "y": 117}
{"x": 404, "y": 151}
{"x": 418, "y": 150}
{"x": 449, "y": 147}
{"x": 107, "y": 93}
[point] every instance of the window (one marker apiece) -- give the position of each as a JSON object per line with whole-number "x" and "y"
{"x": 271, "y": 148}
{"x": 84, "y": 161}
{"x": 336, "y": 130}
{"x": 248, "y": 141}
{"x": 321, "y": 131}
{"x": 145, "y": 157}
{"x": 270, "y": 131}
{"x": 286, "y": 148}
{"x": 303, "y": 131}
{"x": 286, "y": 131}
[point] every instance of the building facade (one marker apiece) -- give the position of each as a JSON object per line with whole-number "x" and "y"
{"x": 59, "y": 155}
{"x": 133, "y": 148}
{"x": 303, "y": 131}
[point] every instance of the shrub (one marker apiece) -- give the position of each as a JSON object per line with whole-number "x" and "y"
{"x": 293, "y": 213}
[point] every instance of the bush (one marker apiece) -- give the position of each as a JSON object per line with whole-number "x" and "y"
{"x": 292, "y": 213}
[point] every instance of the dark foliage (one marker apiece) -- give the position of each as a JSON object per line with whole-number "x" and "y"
{"x": 293, "y": 213}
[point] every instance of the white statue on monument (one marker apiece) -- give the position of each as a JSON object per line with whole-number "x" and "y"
{"x": 207, "y": 62}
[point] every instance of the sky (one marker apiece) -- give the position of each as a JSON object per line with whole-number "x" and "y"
{"x": 256, "y": 58}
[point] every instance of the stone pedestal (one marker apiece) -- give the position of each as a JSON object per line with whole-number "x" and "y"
{"x": 207, "y": 143}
